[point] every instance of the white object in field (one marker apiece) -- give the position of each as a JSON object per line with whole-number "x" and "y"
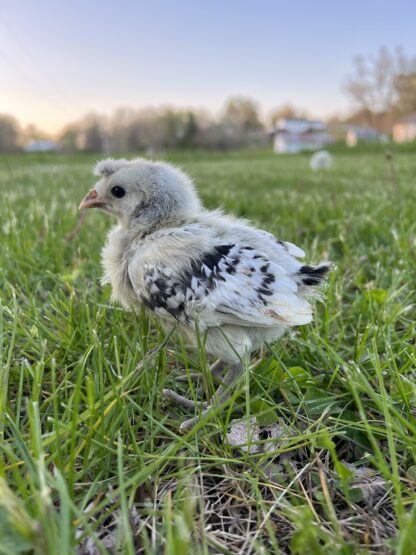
{"x": 321, "y": 160}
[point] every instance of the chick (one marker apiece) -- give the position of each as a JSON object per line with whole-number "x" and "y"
{"x": 197, "y": 269}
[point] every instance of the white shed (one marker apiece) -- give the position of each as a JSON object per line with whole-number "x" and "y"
{"x": 294, "y": 135}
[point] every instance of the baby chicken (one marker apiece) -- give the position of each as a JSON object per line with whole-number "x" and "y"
{"x": 197, "y": 269}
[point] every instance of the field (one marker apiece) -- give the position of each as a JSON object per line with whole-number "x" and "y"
{"x": 91, "y": 457}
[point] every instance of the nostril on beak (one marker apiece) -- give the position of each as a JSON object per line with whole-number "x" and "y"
{"x": 91, "y": 200}
{"x": 92, "y": 195}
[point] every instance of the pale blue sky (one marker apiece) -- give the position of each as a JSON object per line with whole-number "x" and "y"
{"x": 60, "y": 59}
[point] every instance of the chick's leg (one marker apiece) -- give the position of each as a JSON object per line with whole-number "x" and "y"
{"x": 193, "y": 376}
{"x": 217, "y": 368}
{"x": 216, "y": 371}
{"x": 222, "y": 394}
{"x": 182, "y": 401}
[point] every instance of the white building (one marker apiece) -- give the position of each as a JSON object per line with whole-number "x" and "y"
{"x": 364, "y": 134}
{"x": 405, "y": 129}
{"x": 295, "y": 135}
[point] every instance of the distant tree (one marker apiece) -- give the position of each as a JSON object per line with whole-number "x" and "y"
{"x": 336, "y": 127}
{"x": 171, "y": 122}
{"x": 139, "y": 130}
{"x": 33, "y": 133}
{"x": 173, "y": 129}
{"x": 406, "y": 92}
{"x": 371, "y": 85}
{"x": 240, "y": 124}
{"x": 363, "y": 117}
{"x": 211, "y": 137}
{"x": 374, "y": 84}
{"x": 93, "y": 138}
{"x": 382, "y": 121}
{"x": 190, "y": 130}
{"x": 135, "y": 138}
{"x": 9, "y": 134}
{"x": 186, "y": 129}
{"x": 243, "y": 113}
{"x": 286, "y": 111}
{"x": 68, "y": 138}
{"x": 92, "y": 135}
{"x": 120, "y": 136}
{"x": 154, "y": 130}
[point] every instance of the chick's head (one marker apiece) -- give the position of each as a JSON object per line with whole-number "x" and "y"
{"x": 141, "y": 193}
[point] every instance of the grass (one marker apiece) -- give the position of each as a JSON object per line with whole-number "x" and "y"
{"x": 91, "y": 459}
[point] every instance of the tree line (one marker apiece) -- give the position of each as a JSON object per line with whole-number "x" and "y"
{"x": 238, "y": 126}
{"x": 382, "y": 88}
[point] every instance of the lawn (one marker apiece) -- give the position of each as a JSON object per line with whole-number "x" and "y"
{"x": 91, "y": 457}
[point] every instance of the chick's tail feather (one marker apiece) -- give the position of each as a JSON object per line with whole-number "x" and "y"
{"x": 314, "y": 275}
{"x": 309, "y": 278}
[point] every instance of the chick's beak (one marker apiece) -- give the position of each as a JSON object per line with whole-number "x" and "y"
{"x": 92, "y": 200}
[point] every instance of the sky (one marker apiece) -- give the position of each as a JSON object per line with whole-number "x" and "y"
{"x": 61, "y": 59}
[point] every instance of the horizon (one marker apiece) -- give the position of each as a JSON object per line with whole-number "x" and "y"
{"x": 60, "y": 62}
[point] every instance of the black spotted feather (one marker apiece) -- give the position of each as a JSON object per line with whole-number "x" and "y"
{"x": 230, "y": 284}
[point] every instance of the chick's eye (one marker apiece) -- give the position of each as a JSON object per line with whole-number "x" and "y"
{"x": 118, "y": 191}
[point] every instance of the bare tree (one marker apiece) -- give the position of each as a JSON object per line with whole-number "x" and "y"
{"x": 372, "y": 84}
{"x": 93, "y": 134}
{"x": 406, "y": 91}
{"x": 68, "y": 138}
{"x": 9, "y": 134}
{"x": 240, "y": 124}
{"x": 286, "y": 111}
{"x": 242, "y": 113}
